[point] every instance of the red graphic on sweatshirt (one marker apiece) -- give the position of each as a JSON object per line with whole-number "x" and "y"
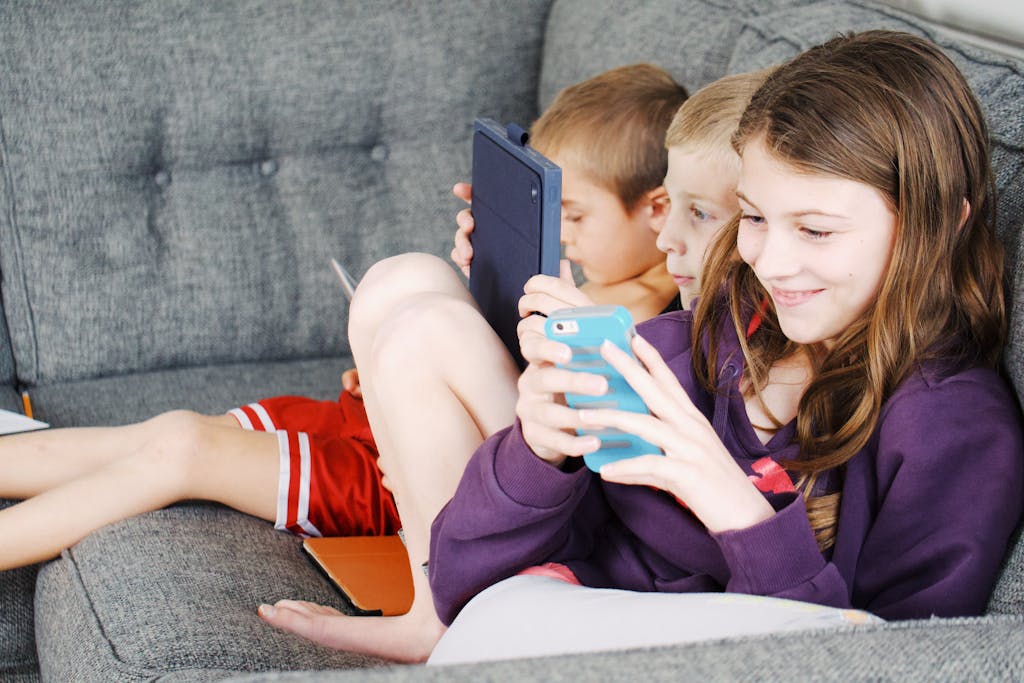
{"x": 772, "y": 479}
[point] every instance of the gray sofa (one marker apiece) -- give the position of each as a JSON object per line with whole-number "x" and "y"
{"x": 175, "y": 176}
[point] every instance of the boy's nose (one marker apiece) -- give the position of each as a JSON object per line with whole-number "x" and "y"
{"x": 568, "y": 234}
{"x": 670, "y": 240}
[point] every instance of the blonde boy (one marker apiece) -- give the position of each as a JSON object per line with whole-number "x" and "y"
{"x": 703, "y": 169}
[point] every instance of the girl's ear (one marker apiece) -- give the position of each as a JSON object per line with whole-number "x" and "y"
{"x": 965, "y": 213}
{"x": 656, "y": 204}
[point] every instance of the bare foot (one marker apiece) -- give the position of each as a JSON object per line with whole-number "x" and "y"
{"x": 408, "y": 638}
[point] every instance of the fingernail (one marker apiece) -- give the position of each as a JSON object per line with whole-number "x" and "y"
{"x": 267, "y": 610}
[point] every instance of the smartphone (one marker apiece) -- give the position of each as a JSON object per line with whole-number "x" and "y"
{"x": 584, "y": 329}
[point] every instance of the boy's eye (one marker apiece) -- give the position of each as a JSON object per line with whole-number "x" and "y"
{"x": 752, "y": 219}
{"x": 573, "y": 217}
{"x": 698, "y": 214}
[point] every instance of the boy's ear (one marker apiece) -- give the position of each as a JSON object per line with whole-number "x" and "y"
{"x": 656, "y": 203}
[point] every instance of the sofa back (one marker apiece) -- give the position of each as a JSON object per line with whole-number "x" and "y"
{"x": 177, "y": 174}
{"x": 701, "y": 40}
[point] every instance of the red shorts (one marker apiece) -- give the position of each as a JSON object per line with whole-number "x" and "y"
{"x": 329, "y": 483}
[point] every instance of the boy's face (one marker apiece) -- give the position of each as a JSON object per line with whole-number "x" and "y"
{"x": 702, "y": 193}
{"x": 610, "y": 244}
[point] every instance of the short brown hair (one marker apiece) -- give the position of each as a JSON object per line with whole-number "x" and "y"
{"x": 704, "y": 124}
{"x": 614, "y": 125}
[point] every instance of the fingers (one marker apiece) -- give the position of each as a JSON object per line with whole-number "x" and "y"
{"x": 306, "y": 619}
{"x": 655, "y": 383}
{"x": 662, "y": 374}
{"x": 644, "y": 470}
{"x": 462, "y": 252}
{"x": 536, "y": 347}
{"x": 350, "y": 382}
{"x": 546, "y": 294}
{"x": 463, "y": 191}
{"x": 548, "y": 425}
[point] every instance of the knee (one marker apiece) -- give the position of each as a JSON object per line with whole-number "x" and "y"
{"x": 424, "y": 327}
{"x": 175, "y": 442}
{"x": 391, "y": 282}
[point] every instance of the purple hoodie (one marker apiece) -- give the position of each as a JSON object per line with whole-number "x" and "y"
{"x": 927, "y": 510}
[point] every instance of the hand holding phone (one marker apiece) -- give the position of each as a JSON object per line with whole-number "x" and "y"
{"x": 584, "y": 329}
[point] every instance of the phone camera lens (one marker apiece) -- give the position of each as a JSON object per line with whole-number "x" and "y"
{"x": 559, "y": 326}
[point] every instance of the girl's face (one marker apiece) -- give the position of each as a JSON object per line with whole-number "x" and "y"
{"x": 702, "y": 198}
{"x": 609, "y": 243}
{"x": 819, "y": 244}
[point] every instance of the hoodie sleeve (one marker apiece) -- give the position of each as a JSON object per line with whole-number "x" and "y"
{"x": 511, "y": 510}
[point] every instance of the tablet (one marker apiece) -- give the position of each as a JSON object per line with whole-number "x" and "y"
{"x": 372, "y": 572}
{"x": 517, "y": 208}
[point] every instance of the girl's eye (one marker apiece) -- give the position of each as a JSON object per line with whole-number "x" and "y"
{"x": 698, "y": 214}
{"x": 574, "y": 218}
{"x": 752, "y": 219}
{"x": 815, "y": 234}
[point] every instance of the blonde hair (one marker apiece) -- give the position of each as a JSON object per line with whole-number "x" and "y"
{"x": 613, "y": 125}
{"x": 891, "y": 111}
{"x": 705, "y": 123}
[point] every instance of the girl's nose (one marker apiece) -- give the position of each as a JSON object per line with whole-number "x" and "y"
{"x": 776, "y": 256}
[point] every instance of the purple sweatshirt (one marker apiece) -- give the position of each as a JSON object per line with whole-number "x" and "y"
{"x": 927, "y": 510}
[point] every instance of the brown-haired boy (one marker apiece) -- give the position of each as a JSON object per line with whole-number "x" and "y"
{"x": 607, "y": 134}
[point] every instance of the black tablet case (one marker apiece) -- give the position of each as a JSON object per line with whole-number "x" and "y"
{"x": 517, "y": 197}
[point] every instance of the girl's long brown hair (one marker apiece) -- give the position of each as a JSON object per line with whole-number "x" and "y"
{"x": 889, "y": 110}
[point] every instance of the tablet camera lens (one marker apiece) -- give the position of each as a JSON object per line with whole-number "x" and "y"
{"x": 534, "y": 192}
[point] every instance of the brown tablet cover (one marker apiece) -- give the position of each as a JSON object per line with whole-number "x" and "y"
{"x": 372, "y": 571}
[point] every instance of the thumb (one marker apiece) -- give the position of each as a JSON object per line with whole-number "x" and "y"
{"x": 293, "y": 621}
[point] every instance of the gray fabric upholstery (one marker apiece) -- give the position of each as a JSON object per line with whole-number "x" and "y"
{"x": 920, "y": 651}
{"x": 178, "y": 173}
{"x": 175, "y": 176}
{"x": 210, "y": 389}
{"x": 17, "y": 624}
{"x": 177, "y": 591}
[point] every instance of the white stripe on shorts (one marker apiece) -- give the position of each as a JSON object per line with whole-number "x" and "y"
{"x": 302, "y": 519}
{"x": 243, "y": 419}
{"x": 264, "y": 416}
{"x": 284, "y": 483}
{"x": 283, "y": 476}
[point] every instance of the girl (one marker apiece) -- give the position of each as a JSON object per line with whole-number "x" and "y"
{"x": 834, "y": 424}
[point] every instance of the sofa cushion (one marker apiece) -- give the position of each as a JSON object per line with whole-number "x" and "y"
{"x": 913, "y": 652}
{"x": 176, "y": 591}
{"x": 17, "y": 625}
{"x": 178, "y": 173}
{"x": 213, "y": 389}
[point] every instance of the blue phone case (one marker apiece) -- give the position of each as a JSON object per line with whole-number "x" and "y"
{"x": 584, "y": 329}
{"x": 517, "y": 208}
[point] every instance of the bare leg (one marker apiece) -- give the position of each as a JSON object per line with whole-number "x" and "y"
{"x": 34, "y": 462}
{"x": 175, "y": 456}
{"x": 436, "y": 381}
